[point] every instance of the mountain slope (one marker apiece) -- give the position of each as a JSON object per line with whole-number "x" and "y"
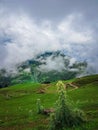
{"x": 44, "y": 68}
{"x": 52, "y": 66}
{"x": 18, "y": 103}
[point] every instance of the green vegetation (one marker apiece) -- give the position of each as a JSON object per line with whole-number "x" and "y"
{"x": 5, "y": 78}
{"x": 39, "y": 70}
{"x": 65, "y": 115}
{"x": 40, "y": 108}
{"x": 18, "y": 104}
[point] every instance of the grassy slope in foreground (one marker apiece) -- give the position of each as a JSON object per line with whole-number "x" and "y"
{"x": 18, "y": 103}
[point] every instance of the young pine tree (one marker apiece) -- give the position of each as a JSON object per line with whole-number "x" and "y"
{"x": 65, "y": 115}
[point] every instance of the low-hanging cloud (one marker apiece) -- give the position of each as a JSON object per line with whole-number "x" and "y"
{"x": 22, "y": 38}
{"x": 51, "y": 63}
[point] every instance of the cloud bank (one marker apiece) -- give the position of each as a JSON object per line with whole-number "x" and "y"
{"x": 22, "y": 38}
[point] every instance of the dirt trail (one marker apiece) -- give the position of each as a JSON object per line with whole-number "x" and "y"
{"x": 72, "y": 85}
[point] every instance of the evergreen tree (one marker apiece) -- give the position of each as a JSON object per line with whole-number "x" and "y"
{"x": 65, "y": 115}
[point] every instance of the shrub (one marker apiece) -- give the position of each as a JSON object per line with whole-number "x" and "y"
{"x": 65, "y": 114}
{"x": 40, "y": 108}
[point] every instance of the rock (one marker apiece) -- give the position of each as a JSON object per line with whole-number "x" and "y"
{"x": 48, "y": 111}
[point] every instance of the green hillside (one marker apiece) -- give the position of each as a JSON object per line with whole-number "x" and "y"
{"x": 18, "y": 103}
{"x": 44, "y": 68}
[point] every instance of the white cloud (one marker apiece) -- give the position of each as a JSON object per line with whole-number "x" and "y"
{"x": 51, "y": 63}
{"x": 74, "y": 35}
{"x": 22, "y": 38}
{"x": 72, "y": 61}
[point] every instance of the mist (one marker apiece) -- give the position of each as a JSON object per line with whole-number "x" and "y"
{"x": 23, "y": 38}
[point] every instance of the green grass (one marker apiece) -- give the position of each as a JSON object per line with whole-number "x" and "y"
{"x": 86, "y": 80}
{"x": 18, "y": 104}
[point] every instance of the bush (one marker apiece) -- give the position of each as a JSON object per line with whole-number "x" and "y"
{"x": 65, "y": 114}
{"x": 40, "y": 108}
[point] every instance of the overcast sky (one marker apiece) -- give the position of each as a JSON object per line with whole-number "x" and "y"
{"x": 30, "y": 27}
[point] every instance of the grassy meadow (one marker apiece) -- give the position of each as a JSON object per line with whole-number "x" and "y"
{"x": 18, "y": 103}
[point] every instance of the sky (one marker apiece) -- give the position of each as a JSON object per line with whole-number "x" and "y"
{"x": 31, "y": 27}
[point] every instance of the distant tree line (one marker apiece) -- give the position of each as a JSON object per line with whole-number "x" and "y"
{"x": 5, "y": 78}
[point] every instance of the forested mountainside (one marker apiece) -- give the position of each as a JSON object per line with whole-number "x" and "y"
{"x": 44, "y": 68}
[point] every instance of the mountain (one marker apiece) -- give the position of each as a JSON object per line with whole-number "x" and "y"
{"x": 46, "y": 68}
{"x": 52, "y": 66}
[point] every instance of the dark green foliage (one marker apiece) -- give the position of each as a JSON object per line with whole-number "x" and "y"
{"x": 65, "y": 114}
{"x": 5, "y": 82}
{"x": 86, "y": 80}
{"x": 53, "y": 76}
{"x": 5, "y": 78}
{"x": 20, "y": 78}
